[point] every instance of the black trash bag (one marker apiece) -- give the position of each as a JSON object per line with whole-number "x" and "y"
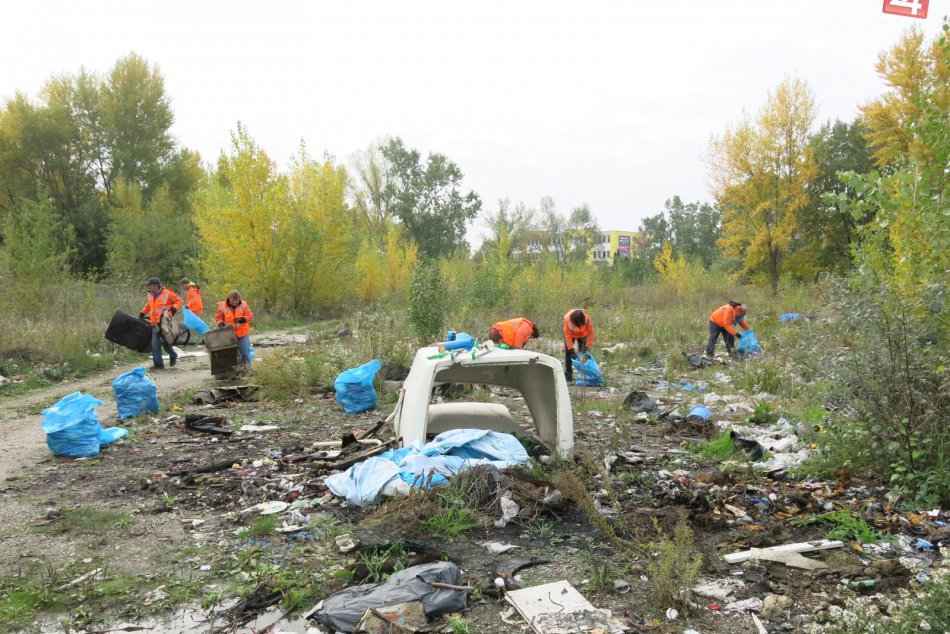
{"x": 341, "y": 611}
{"x": 639, "y": 402}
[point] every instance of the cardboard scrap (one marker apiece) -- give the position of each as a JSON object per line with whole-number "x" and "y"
{"x": 558, "y": 608}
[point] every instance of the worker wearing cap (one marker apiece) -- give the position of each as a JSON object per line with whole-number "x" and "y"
{"x": 514, "y": 333}
{"x": 158, "y": 301}
{"x": 723, "y": 321}
{"x": 579, "y": 332}
{"x": 192, "y": 292}
{"x": 235, "y": 311}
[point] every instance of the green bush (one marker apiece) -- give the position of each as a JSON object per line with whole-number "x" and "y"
{"x": 428, "y": 302}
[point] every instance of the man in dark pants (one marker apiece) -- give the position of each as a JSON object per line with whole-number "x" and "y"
{"x": 723, "y": 322}
{"x": 159, "y": 300}
{"x": 577, "y": 328}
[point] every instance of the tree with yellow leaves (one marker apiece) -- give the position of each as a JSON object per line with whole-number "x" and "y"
{"x": 760, "y": 170}
{"x": 918, "y": 79}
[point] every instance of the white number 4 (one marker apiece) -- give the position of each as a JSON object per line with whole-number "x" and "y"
{"x": 913, "y": 5}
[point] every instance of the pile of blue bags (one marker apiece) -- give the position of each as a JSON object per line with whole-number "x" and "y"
{"x": 72, "y": 427}
{"x": 589, "y": 374}
{"x": 354, "y": 388}
{"x": 135, "y": 393}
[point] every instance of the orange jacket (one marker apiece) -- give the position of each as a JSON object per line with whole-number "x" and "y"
{"x": 573, "y": 333}
{"x": 725, "y": 317}
{"x": 227, "y": 315}
{"x": 514, "y": 332}
{"x": 156, "y": 304}
{"x": 193, "y": 300}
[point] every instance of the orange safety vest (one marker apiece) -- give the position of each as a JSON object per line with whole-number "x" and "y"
{"x": 227, "y": 314}
{"x": 514, "y": 332}
{"x": 194, "y": 302}
{"x": 156, "y": 304}
{"x": 725, "y": 317}
{"x": 573, "y": 333}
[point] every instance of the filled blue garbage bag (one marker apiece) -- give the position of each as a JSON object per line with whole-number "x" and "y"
{"x": 748, "y": 345}
{"x": 135, "y": 393}
{"x": 194, "y": 322}
{"x": 589, "y": 374}
{"x": 354, "y": 388}
{"x": 72, "y": 427}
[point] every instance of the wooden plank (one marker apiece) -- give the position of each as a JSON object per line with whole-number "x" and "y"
{"x": 800, "y": 547}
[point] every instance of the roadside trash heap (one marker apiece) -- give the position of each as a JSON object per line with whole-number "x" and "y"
{"x": 135, "y": 393}
{"x": 354, "y": 387}
{"x": 72, "y": 427}
{"x": 398, "y": 471}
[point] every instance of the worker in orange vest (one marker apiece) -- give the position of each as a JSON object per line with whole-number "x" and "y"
{"x": 235, "y": 311}
{"x": 723, "y": 321}
{"x": 514, "y": 333}
{"x": 579, "y": 330}
{"x": 158, "y": 301}
{"x": 192, "y": 293}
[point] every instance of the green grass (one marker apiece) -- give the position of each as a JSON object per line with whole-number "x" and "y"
{"x": 449, "y": 522}
{"x": 460, "y": 625}
{"x": 719, "y": 448}
{"x": 844, "y": 527}
{"x": 88, "y": 520}
{"x": 262, "y": 527}
{"x": 18, "y": 389}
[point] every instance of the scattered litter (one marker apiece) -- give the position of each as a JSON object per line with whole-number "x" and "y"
{"x": 497, "y": 548}
{"x": 346, "y": 543}
{"x": 697, "y": 360}
{"x": 503, "y": 573}
{"x": 258, "y": 428}
{"x": 135, "y": 393}
{"x": 92, "y": 574}
{"x": 509, "y": 510}
{"x": 718, "y": 590}
{"x": 208, "y": 424}
{"x": 614, "y": 349}
{"x": 269, "y": 508}
{"x": 72, "y": 427}
{"x": 186, "y": 354}
{"x": 401, "y": 618}
{"x": 154, "y": 596}
{"x": 753, "y": 604}
{"x": 217, "y": 395}
{"x": 621, "y": 586}
{"x": 760, "y": 629}
{"x": 354, "y": 387}
{"x": 344, "y": 609}
{"x": 774, "y": 605}
{"x": 558, "y": 608}
{"x": 923, "y": 544}
{"x": 789, "y": 317}
{"x": 672, "y": 614}
{"x": 699, "y": 412}
{"x": 640, "y": 403}
{"x": 446, "y": 455}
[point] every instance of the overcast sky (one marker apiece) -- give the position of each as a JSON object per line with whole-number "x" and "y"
{"x": 608, "y": 103}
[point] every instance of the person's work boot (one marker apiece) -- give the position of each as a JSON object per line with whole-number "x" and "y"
{"x": 172, "y": 361}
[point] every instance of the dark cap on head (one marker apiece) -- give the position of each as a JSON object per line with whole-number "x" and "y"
{"x": 153, "y": 280}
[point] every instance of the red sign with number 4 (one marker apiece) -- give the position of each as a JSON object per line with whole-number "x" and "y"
{"x": 909, "y": 8}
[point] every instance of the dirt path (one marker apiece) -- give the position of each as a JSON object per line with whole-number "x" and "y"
{"x": 24, "y": 444}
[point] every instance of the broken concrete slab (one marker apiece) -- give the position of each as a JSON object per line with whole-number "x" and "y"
{"x": 558, "y": 608}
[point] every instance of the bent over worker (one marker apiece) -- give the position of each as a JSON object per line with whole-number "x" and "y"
{"x": 723, "y": 321}
{"x": 235, "y": 311}
{"x": 579, "y": 330}
{"x": 514, "y": 333}
{"x": 193, "y": 301}
{"x": 159, "y": 300}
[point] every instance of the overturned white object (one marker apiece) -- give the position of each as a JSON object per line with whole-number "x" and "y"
{"x": 558, "y": 608}
{"x": 769, "y": 553}
{"x": 539, "y": 378}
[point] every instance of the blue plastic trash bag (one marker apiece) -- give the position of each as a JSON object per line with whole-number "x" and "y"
{"x": 459, "y": 341}
{"x": 194, "y": 322}
{"x": 72, "y": 427}
{"x": 589, "y": 372}
{"x": 699, "y": 411}
{"x": 789, "y": 317}
{"x": 135, "y": 393}
{"x": 354, "y": 388}
{"x": 748, "y": 345}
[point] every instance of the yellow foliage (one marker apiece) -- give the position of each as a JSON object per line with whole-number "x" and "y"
{"x": 684, "y": 277}
{"x": 918, "y": 76}
{"x": 386, "y": 270}
{"x": 761, "y": 170}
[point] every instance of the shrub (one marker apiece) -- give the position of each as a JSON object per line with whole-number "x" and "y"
{"x": 428, "y": 301}
{"x": 674, "y": 569}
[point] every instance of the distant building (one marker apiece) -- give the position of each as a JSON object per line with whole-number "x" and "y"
{"x": 613, "y": 246}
